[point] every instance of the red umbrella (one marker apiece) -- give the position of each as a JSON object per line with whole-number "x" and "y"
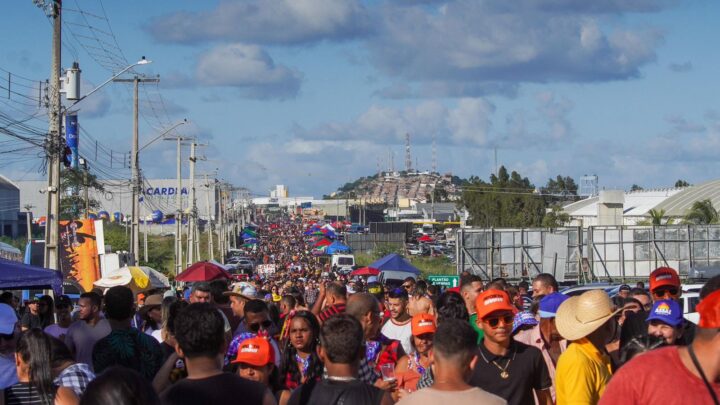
{"x": 202, "y": 271}
{"x": 425, "y": 238}
{"x": 365, "y": 271}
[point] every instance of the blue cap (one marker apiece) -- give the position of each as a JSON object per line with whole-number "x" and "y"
{"x": 666, "y": 311}
{"x": 522, "y": 319}
{"x": 550, "y": 303}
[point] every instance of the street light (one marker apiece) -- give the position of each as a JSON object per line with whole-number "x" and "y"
{"x": 72, "y": 79}
{"x": 184, "y": 121}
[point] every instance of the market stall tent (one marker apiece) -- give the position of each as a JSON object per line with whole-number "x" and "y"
{"x": 20, "y": 276}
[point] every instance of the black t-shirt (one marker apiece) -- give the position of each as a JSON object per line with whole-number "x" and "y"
{"x": 223, "y": 388}
{"x": 31, "y": 321}
{"x": 527, "y": 371}
{"x": 328, "y": 392}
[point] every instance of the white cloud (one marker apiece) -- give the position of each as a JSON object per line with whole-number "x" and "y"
{"x": 248, "y": 68}
{"x": 265, "y": 22}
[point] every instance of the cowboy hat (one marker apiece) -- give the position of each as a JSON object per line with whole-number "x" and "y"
{"x": 582, "y": 315}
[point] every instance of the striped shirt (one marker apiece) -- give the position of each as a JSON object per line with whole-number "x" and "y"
{"x": 24, "y": 394}
{"x": 330, "y": 311}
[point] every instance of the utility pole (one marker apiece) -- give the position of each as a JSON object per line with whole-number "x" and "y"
{"x": 221, "y": 225}
{"x": 54, "y": 145}
{"x": 29, "y": 215}
{"x": 211, "y": 248}
{"x": 178, "y": 201}
{"x": 135, "y": 167}
{"x": 193, "y": 238}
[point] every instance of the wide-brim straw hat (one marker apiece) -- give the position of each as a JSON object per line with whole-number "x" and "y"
{"x": 582, "y": 315}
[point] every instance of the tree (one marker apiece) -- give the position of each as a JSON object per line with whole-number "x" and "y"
{"x": 635, "y": 187}
{"x": 555, "y": 218}
{"x": 657, "y": 217}
{"x": 74, "y": 179}
{"x": 508, "y": 200}
{"x": 561, "y": 185}
{"x": 702, "y": 213}
{"x": 682, "y": 183}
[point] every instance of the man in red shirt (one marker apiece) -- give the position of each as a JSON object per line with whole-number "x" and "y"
{"x": 676, "y": 375}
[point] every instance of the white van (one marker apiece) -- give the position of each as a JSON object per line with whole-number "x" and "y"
{"x": 343, "y": 262}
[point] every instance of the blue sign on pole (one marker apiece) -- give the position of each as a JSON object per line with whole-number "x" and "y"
{"x": 72, "y": 138}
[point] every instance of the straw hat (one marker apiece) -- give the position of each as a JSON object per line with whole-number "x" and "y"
{"x": 582, "y": 315}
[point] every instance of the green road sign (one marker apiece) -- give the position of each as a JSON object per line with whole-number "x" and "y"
{"x": 445, "y": 281}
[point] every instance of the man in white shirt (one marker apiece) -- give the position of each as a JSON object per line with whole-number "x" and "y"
{"x": 398, "y": 326}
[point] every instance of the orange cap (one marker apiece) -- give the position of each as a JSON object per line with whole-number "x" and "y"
{"x": 493, "y": 300}
{"x": 255, "y": 351}
{"x": 709, "y": 310}
{"x": 422, "y": 324}
{"x": 663, "y": 276}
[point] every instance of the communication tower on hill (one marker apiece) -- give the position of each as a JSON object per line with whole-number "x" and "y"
{"x": 408, "y": 155}
{"x": 434, "y": 155}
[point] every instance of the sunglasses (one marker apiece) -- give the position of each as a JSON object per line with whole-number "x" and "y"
{"x": 663, "y": 292}
{"x": 407, "y": 286}
{"x": 255, "y": 327}
{"x": 494, "y": 322}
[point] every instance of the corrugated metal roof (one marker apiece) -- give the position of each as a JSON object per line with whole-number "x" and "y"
{"x": 637, "y": 203}
{"x": 680, "y": 203}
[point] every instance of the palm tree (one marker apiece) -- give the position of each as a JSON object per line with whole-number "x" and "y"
{"x": 702, "y": 213}
{"x": 656, "y": 216}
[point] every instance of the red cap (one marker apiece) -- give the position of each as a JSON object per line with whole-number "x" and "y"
{"x": 255, "y": 351}
{"x": 422, "y": 324}
{"x": 664, "y": 276}
{"x": 493, "y": 300}
{"x": 709, "y": 310}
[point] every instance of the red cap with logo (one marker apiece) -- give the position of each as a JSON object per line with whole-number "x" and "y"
{"x": 664, "y": 276}
{"x": 255, "y": 351}
{"x": 493, "y": 300}
{"x": 709, "y": 310}
{"x": 422, "y": 324}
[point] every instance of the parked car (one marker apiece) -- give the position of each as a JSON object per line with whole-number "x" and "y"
{"x": 689, "y": 301}
{"x": 611, "y": 289}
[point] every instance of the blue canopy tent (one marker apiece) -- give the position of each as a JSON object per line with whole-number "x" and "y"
{"x": 337, "y": 247}
{"x": 20, "y": 276}
{"x": 394, "y": 262}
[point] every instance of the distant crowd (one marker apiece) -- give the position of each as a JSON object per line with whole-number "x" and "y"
{"x": 305, "y": 334}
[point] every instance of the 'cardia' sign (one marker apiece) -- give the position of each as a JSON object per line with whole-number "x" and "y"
{"x": 164, "y": 191}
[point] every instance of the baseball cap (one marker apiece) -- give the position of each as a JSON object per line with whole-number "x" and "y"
{"x": 624, "y": 287}
{"x": 8, "y": 319}
{"x": 493, "y": 300}
{"x": 523, "y": 318}
{"x": 666, "y": 311}
{"x": 709, "y": 310}
{"x": 664, "y": 276}
{"x": 244, "y": 290}
{"x": 422, "y": 324}
{"x": 254, "y": 351}
{"x": 550, "y": 303}
{"x": 152, "y": 300}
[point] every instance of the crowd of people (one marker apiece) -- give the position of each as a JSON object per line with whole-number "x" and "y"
{"x": 304, "y": 334}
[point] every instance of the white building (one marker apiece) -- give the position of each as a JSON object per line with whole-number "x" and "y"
{"x": 613, "y": 207}
{"x": 9, "y": 207}
{"x": 158, "y": 194}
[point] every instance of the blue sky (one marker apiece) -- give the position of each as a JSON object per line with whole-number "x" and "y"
{"x": 314, "y": 93}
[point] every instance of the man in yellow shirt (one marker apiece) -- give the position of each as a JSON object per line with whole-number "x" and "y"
{"x": 584, "y": 369}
